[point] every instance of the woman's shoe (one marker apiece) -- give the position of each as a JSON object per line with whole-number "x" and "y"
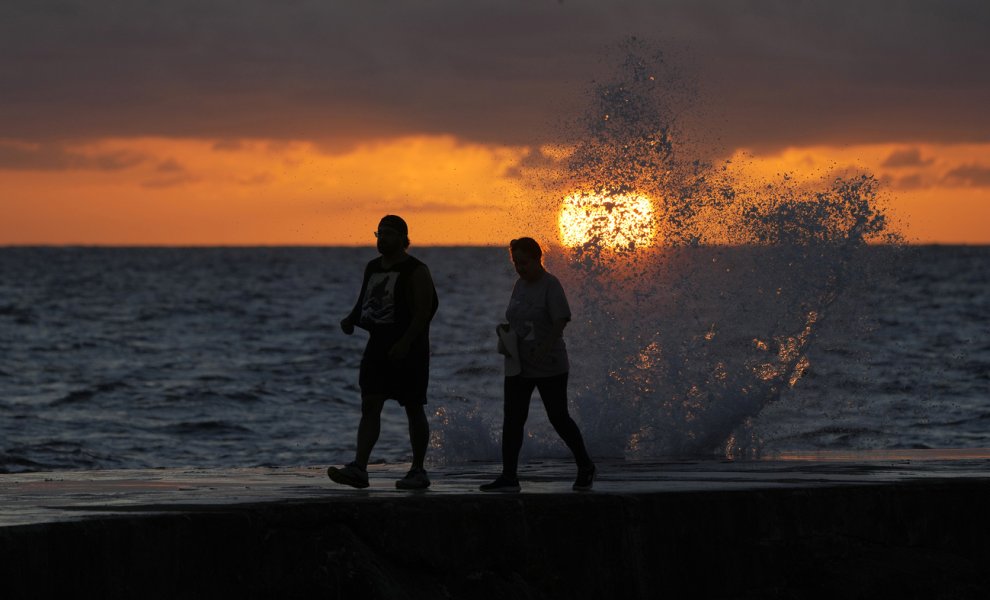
{"x": 501, "y": 484}
{"x": 350, "y": 474}
{"x": 585, "y": 479}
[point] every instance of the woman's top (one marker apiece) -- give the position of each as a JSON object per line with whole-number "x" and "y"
{"x": 533, "y": 308}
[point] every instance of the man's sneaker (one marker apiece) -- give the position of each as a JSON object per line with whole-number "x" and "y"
{"x": 351, "y": 474}
{"x": 502, "y": 484}
{"x": 585, "y": 479}
{"x": 415, "y": 479}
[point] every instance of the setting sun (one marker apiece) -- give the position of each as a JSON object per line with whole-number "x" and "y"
{"x": 616, "y": 222}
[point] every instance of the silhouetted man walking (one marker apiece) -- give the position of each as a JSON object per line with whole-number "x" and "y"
{"x": 396, "y": 304}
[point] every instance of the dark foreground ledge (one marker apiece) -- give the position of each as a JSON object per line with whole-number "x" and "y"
{"x": 920, "y": 538}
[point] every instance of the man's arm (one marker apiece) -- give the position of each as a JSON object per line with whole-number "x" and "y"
{"x": 421, "y": 284}
{"x": 347, "y": 323}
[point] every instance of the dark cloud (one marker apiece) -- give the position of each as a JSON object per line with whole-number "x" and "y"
{"x": 771, "y": 73}
{"x": 228, "y": 145}
{"x": 170, "y": 166}
{"x": 258, "y": 179}
{"x": 441, "y": 207}
{"x": 534, "y": 159}
{"x": 969, "y": 175}
{"x": 56, "y": 157}
{"x": 914, "y": 181}
{"x": 169, "y": 181}
{"x": 908, "y": 157}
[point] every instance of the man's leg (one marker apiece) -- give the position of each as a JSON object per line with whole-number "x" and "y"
{"x": 369, "y": 427}
{"x": 419, "y": 433}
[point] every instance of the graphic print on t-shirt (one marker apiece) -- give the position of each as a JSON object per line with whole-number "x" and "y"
{"x": 379, "y": 299}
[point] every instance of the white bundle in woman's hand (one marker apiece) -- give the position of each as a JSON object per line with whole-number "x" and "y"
{"x": 508, "y": 346}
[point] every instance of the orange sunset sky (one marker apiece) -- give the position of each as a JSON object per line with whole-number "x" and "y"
{"x": 252, "y": 122}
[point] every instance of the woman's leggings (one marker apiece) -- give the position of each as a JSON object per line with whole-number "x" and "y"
{"x": 553, "y": 392}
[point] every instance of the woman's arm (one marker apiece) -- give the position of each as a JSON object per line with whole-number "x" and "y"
{"x": 542, "y": 347}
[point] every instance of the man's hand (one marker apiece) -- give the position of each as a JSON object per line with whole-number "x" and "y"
{"x": 399, "y": 350}
{"x": 347, "y": 326}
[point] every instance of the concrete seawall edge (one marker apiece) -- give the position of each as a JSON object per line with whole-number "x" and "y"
{"x": 925, "y": 539}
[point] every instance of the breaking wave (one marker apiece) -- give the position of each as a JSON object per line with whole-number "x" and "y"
{"x": 683, "y": 336}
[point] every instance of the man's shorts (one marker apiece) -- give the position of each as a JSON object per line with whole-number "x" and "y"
{"x": 402, "y": 380}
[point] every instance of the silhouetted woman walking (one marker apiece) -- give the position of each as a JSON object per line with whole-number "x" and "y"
{"x": 537, "y": 314}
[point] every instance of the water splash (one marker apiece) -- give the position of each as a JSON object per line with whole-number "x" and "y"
{"x": 684, "y": 337}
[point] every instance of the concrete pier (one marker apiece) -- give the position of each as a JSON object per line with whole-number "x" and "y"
{"x": 908, "y": 525}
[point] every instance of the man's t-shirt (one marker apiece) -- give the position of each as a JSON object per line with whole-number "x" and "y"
{"x": 378, "y": 306}
{"x": 533, "y": 308}
{"x": 385, "y": 306}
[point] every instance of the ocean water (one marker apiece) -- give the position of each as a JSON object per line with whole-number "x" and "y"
{"x": 165, "y": 357}
{"x": 715, "y": 314}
